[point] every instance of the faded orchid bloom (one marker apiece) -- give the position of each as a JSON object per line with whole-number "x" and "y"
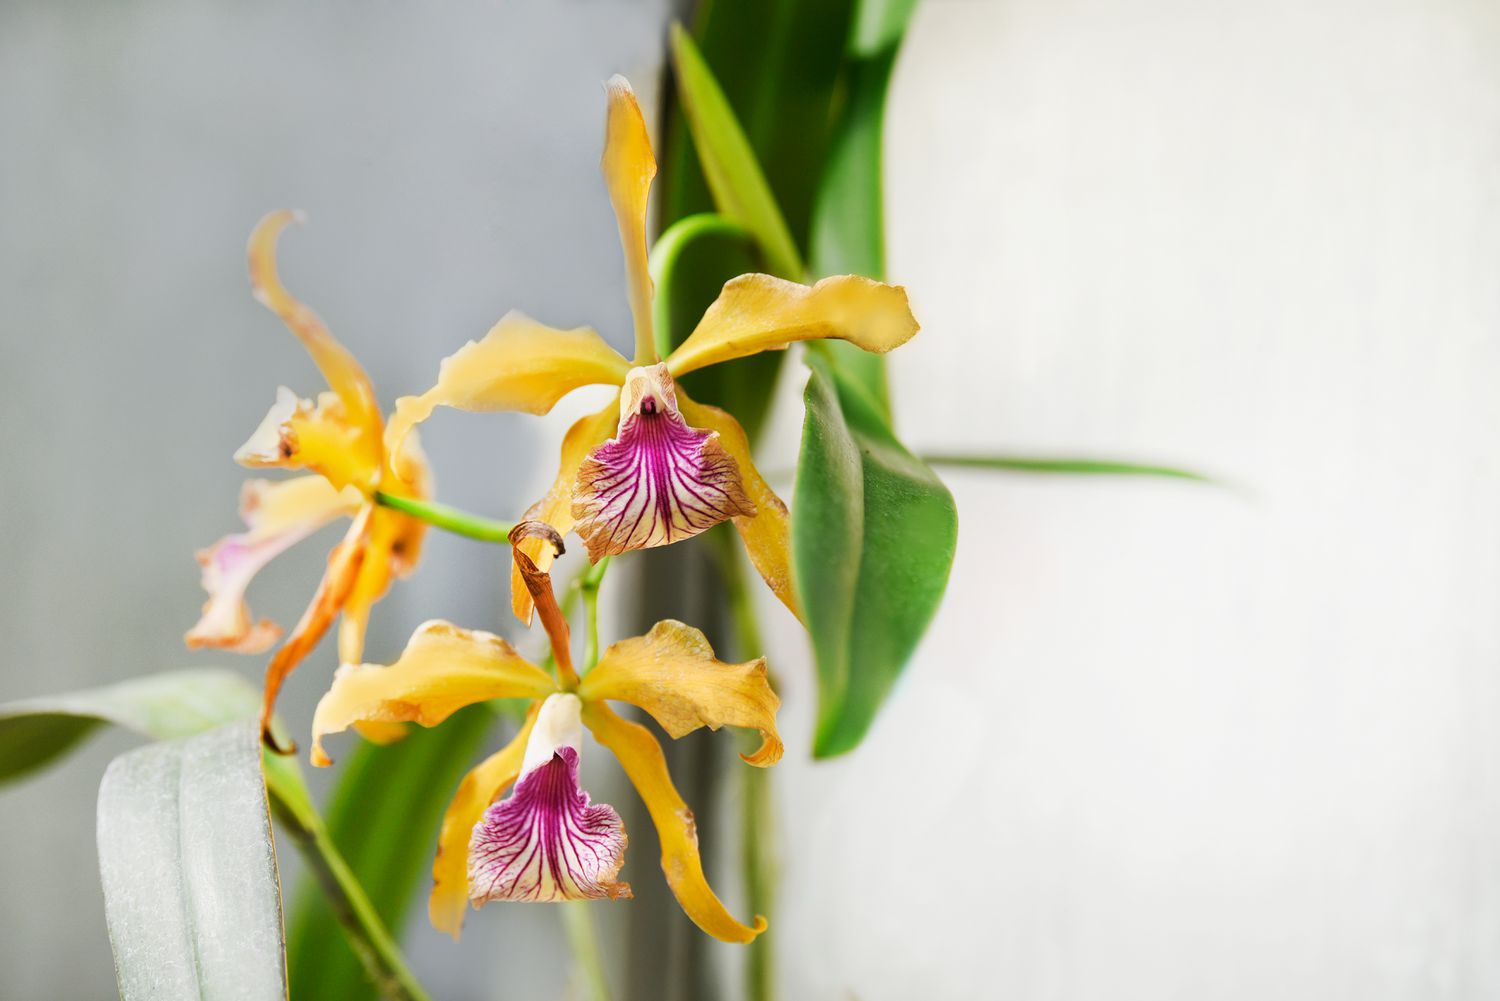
{"x": 546, "y": 841}
{"x": 654, "y": 467}
{"x": 340, "y": 438}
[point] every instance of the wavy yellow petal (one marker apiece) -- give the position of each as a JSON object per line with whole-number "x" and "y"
{"x": 519, "y": 365}
{"x": 768, "y": 534}
{"x": 672, "y": 673}
{"x": 442, "y": 669}
{"x": 644, "y": 764}
{"x": 556, "y": 506}
{"x": 482, "y": 786}
{"x": 345, "y": 375}
{"x": 756, "y": 313}
{"x": 629, "y": 165}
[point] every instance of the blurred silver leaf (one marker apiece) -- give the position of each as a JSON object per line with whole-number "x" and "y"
{"x": 191, "y": 892}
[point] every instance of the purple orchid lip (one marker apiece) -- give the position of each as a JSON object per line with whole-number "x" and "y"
{"x": 658, "y": 481}
{"x": 546, "y": 841}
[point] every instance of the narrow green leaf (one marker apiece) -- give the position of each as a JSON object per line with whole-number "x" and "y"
{"x": 36, "y": 732}
{"x": 383, "y": 814}
{"x": 873, "y": 536}
{"x": 1087, "y": 467}
{"x": 189, "y": 871}
{"x": 729, "y": 164}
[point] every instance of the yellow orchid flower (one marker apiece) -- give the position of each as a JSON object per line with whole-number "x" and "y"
{"x": 340, "y": 438}
{"x": 654, "y": 467}
{"x": 546, "y": 841}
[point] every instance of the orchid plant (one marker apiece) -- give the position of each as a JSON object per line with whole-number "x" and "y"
{"x": 860, "y": 558}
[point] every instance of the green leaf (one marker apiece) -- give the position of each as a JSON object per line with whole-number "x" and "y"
{"x": 873, "y": 536}
{"x": 848, "y": 224}
{"x": 383, "y": 815}
{"x": 1075, "y": 466}
{"x": 189, "y": 871}
{"x": 36, "y": 732}
{"x": 729, "y": 164}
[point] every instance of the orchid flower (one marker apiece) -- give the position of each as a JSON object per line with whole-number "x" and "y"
{"x": 654, "y": 467}
{"x": 546, "y": 841}
{"x": 340, "y": 438}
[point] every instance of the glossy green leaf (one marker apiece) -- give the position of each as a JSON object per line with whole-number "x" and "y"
{"x": 1073, "y": 466}
{"x": 848, "y": 224}
{"x": 873, "y": 536}
{"x": 729, "y": 164}
{"x": 188, "y": 866}
{"x": 383, "y": 816}
{"x": 36, "y": 732}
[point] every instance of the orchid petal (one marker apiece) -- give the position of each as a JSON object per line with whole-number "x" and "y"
{"x": 672, "y": 673}
{"x": 556, "y": 506}
{"x": 345, "y": 375}
{"x": 629, "y": 166}
{"x": 519, "y": 365}
{"x": 546, "y": 841}
{"x": 481, "y": 787}
{"x": 756, "y": 313}
{"x": 278, "y": 516}
{"x": 645, "y": 765}
{"x": 768, "y": 535}
{"x": 394, "y": 547}
{"x": 298, "y": 434}
{"x": 659, "y": 480}
{"x": 442, "y": 669}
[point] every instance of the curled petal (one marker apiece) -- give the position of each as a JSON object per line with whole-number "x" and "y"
{"x": 646, "y": 767}
{"x": 278, "y": 516}
{"x": 768, "y": 534}
{"x": 659, "y": 480}
{"x": 298, "y": 434}
{"x": 481, "y": 787}
{"x": 756, "y": 313}
{"x": 519, "y": 365}
{"x": 672, "y": 673}
{"x": 546, "y": 841}
{"x": 345, "y": 375}
{"x": 629, "y": 166}
{"x": 556, "y": 507}
{"x": 442, "y": 669}
{"x": 538, "y": 585}
{"x": 333, "y": 590}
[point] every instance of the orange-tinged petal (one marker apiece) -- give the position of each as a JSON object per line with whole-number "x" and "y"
{"x": 629, "y": 165}
{"x": 556, "y": 506}
{"x": 345, "y": 375}
{"x": 333, "y": 590}
{"x": 756, "y": 313}
{"x": 672, "y": 673}
{"x": 298, "y": 434}
{"x": 482, "y": 786}
{"x": 767, "y": 535}
{"x": 538, "y": 584}
{"x": 519, "y": 365}
{"x": 644, "y": 764}
{"x": 395, "y": 541}
{"x": 278, "y": 516}
{"x": 442, "y": 669}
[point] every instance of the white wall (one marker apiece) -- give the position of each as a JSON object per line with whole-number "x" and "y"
{"x": 1169, "y": 741}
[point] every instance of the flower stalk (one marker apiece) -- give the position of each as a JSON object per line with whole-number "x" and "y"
{"x": 449, "y": 519}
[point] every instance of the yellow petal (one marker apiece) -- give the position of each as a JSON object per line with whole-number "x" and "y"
{"x": 333, "y": 590}
{"x": 442, "y": 669}
{"x": 519, "y": 365}
{"x": 641, "y": 756}
{"x": 756, "y": 313}
{"x": 628, "y": 167}
{"x": 482, "y": 786}
{"x": 556, "y": 506}
{"x": 394, "y": 545}
{"x": 278, "y": 515}
{"x": 768, "y": 534}
{"x": 345, "y": 375}
{"x": 672, "y": 673}
{"x": 298, "y": 434}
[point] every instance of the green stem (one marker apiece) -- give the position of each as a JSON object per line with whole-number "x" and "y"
{"x": 368, "y": 936}
{"x": 664, "y": 255}
{"x": 588, "y": 587}
{"x": 450, "y": 519}
{"x": 1085, "y": 466}
{"x": 578, "y": 923}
